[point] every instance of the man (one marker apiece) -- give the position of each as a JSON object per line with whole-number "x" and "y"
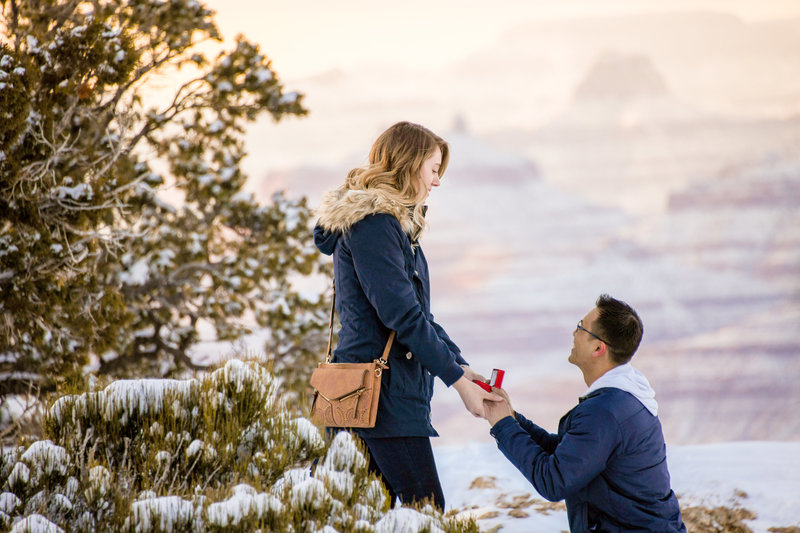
{"x": 608, "y": 459}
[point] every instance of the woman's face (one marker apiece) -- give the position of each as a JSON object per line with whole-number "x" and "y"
{"x": 429, "y": 174}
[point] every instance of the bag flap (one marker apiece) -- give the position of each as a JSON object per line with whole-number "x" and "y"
{"x": 337, "y": 379}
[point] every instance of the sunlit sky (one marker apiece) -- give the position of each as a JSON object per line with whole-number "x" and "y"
{"x": 312, "y": 36}
{"x": 431, "y": 60}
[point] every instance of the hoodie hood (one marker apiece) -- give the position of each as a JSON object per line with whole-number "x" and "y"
{"x": 629, "y": 379}
{"x": 341, "y": 208}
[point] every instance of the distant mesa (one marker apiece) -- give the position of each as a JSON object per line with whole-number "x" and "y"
{"x": 616, "y": 76}
{"x": 624, "y": 93}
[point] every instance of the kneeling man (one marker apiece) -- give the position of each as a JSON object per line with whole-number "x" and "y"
{"x": 608, "y": 459}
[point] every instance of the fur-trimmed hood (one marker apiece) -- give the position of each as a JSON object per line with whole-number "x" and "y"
{"x": 341, "y": 208}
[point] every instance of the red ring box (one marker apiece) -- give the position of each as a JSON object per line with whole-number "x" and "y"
{"x": 495, "y": 381}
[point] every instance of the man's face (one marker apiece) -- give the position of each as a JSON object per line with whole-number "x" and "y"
{"x": 583, "y": 344}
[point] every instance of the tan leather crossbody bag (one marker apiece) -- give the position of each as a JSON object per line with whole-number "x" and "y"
{"x": 347, "y": 394}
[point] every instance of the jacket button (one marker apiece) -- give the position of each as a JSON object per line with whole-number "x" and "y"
{"x": 409, "y": 355}
{"x": 416, "y": 273}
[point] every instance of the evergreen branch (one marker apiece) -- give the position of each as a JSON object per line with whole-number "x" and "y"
{"x": 67, "y": 10}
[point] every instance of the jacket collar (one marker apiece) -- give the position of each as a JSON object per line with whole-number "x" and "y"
{"x": 341, "y": 208}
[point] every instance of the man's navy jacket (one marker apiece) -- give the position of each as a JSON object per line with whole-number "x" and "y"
{"x": 608, "y": 462}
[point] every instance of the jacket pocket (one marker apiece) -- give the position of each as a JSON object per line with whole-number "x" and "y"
{"x": 408, "y": 378}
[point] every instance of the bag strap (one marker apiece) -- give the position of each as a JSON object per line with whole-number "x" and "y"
{"x": 384, "y": 360}
{"x": 330, "y": 326}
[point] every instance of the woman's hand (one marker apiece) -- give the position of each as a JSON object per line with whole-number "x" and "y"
{"x": 473, "y": 396}
{"x": 472, "y": 375}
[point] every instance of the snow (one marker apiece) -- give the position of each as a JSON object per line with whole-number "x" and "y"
{"x": 341, "y": 484}
{"x": 62, "y": 503}
{"x": 163, "y": 514}
{"x": 343, "y": 454}
{"x": 137, "y": 274}
{"x": 263, "y": 75}
{"x": 76, "y": 193}
{"x": 36, "y": 523}
{"x": 763, "y": 477}
{"x": 125, "y": 396}
{"x": 405, "y": 520}
{"x": 194, "y": 448}
{"x": 47, "y": 457}
{"x": 308, "y": 432}
{"x": 767, "y": 472}
{"x": 289, "y": 98}
{"x": 291, "y": 477}
{"x": 242, "y": 197}
{"x": 100, "y": 480}
{"x": 310, "y": 493}
{"x": 33, "y": 44}
{"x": 20, "y": 474}
{"x": 292, "y": 218}
{"x": 205, "y": 179}
{"x": 163, "y": 456}
{"x": 245, "y": 500}
{"x": 226, "y": 173}
{"x": 8, "y": 502}
{"x": 165, "y": 258}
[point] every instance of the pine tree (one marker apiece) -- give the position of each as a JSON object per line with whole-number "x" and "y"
{"x": 95, "y": 263}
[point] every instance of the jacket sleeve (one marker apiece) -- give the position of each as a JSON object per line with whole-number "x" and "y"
{"x": 376, "y": 244}
{"x": 454, "y": 349}
{"x": 580, "y": 456}
{"x": 540, "y": 436}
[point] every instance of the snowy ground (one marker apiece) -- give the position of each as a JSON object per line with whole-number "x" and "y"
{"x": 763, "y": 477}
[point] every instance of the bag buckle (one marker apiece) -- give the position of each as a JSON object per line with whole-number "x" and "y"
{"x": 380, "y": 366}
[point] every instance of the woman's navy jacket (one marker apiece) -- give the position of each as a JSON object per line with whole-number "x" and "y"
{"x": 382, "y": 284}
{"x": 608, "y": 462}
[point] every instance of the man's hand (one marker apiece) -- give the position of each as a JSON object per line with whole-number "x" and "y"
{"x": 502, "y": 393}
{"x": 496, "y": 411}
{"x": 474, "y": 397}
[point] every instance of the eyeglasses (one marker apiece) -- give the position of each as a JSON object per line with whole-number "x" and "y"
{"x": 580, "y": 327}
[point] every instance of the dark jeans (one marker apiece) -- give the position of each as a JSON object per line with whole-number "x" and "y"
{"x": 407, "y": 468}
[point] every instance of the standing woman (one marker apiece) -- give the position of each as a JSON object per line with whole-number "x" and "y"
{"x": 371, "y": 226}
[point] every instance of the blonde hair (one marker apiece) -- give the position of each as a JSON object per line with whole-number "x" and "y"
{"x": 395, "y": 167}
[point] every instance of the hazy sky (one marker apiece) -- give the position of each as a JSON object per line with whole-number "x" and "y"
{"x": 364, "y": 64}
{"x": 311, "y": 36}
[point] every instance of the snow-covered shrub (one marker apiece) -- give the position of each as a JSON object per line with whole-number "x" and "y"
{"x": 216, "y": 453}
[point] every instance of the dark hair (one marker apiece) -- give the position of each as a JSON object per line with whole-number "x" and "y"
{"x": 620, "y": 325}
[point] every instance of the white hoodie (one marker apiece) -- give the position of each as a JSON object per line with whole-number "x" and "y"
{"x": 627, "y": 378}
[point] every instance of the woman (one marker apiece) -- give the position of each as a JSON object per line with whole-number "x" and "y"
{"x": 371, "y": 226}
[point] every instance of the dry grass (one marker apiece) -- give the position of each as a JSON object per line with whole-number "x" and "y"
{"x": 717, "y": 519}
{"x": 698, "y": 519}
